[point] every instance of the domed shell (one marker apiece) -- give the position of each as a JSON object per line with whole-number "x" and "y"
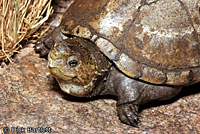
{"x": 153, "y": 40}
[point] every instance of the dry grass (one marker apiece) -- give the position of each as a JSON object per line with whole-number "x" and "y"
{"x": 19, "y": 19}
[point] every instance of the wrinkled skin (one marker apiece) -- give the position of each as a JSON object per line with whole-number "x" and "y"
{"x": 78, "y": 66}
{"x": 83, "y": 74}
{"x": 137, "y": 50}
{"x": 132, "y": 93}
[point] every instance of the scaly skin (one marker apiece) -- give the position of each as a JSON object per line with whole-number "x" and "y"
{"x": 78, "y": 66}
{"x": 83, "y": 71}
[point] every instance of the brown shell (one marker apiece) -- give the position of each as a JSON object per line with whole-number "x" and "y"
{"x": 153, "y": 40}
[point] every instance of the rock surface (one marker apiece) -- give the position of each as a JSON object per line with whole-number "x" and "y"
{"x": 30, "y": 97}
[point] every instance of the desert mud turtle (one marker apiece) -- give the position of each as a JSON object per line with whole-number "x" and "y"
{"x": 137, "y": 50}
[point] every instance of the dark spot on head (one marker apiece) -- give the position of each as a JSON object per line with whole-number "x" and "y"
{"x": 65, "y": 28}
{"x": 191, "y": 75}
{"x": 77, "y": 31}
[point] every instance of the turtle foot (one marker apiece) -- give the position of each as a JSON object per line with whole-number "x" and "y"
{"x": 128, "y": 114}
{"x": 43, "y": 45}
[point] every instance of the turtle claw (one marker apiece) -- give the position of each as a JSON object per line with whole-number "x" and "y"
{"x": 128, "y": 114}
{"x": 43, "y": 46}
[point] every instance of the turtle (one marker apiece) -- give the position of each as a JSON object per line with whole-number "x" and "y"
{"x": 137, "y": 50}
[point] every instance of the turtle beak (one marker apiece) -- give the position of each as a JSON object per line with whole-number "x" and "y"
{"x": 73, "y": 89}
{"x": 57, "y": 73}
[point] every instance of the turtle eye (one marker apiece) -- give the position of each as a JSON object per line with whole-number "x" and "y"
{"x": 73, "y": 61}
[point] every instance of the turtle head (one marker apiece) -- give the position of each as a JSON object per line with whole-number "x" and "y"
{"x": 78, "y": 66}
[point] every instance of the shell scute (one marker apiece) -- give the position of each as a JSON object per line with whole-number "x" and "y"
{"x": 155, "y": 41}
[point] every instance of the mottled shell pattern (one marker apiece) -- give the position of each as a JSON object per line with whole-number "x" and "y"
{"x": 153, "y": 40}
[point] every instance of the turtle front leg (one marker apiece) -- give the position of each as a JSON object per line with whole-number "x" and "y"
{"x": 44, "y": 44}
{"x": 132, "y": 93}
